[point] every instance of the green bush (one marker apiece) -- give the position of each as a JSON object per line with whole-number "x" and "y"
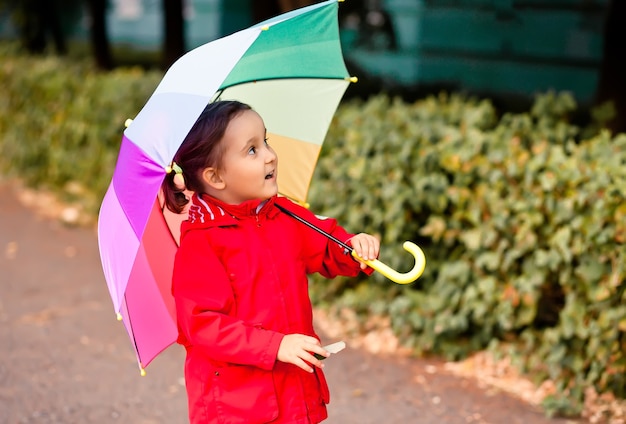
{"x": 61, "y": 122}
{"x": 522, "y": 223}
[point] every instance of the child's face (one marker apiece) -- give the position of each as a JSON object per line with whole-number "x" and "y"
{"x": 249, "y": 166}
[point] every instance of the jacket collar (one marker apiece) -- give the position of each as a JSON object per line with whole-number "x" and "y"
{"x": 207, "y": 211}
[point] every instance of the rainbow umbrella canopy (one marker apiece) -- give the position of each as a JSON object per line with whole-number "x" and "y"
{"x": 290, "y": 69}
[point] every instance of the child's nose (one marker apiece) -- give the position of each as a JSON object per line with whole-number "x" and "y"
{"x": 271, "y": 155}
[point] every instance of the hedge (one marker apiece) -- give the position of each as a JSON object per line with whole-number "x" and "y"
{"x": 522, "y": 221}
{"x": 61, "y": 122}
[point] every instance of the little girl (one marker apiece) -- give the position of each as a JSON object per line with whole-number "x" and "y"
{"x": 240, "y": 277}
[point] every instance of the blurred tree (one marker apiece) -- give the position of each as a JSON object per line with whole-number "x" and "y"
{"x": 38, "y": 21}
{"x": 612, "y": 85}
{"x": 100, "y": 45}
{"x": 174, "y": 30}
{"x": 288, "y": 5}
{"x": 266, "y": 9}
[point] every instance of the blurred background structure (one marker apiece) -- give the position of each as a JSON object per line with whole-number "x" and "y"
{"x": 505, "y": 49}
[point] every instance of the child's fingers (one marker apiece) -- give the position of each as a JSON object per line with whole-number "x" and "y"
{"x": 310, "y": 352}
{"x": 357, "y": 245}
{"x": 306, "y": 358}
{"x": 318, "y": 353}
{"x": 366, "y": 246}
{"x": 311, "y": 340}
{"x": 299, "y": 349}
{"x": 301, "y": 364}
{"x": 312, "y": 360}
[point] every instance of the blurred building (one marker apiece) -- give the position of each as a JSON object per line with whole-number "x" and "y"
{"x": 489, "y": 47}
{"x": 508, "y": 47}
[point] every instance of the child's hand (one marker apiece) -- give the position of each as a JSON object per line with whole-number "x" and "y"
{"x": 366, "y": 247}
{"x": 298, "y": 348}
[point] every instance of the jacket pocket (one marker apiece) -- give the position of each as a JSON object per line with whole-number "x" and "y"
{"x": 244, "y": 394}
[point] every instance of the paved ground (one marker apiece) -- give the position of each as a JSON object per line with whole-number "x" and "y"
{"x": 65, "y": 359}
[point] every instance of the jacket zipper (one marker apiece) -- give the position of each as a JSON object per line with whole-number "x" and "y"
{"x": 276, "y": 277}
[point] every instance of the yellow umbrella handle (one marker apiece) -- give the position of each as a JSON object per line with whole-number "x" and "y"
{"x": 392, "y": 274}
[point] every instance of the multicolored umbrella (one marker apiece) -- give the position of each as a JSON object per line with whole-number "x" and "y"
{"x": 290, "y": 69}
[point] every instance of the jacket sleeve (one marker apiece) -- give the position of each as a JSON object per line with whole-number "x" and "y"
{"x": 204, "y": 305}
{"x": 321, "y": 254}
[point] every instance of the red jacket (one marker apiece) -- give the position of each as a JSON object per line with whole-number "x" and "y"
{"x": 240, "y": 284}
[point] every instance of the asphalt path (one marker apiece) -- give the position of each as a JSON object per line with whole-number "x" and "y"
{"x": 65, "y": 359}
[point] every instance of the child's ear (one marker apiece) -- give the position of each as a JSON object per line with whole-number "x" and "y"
{"x": 212, "y": 178}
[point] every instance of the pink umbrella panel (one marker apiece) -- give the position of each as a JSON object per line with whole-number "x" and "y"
{"x": 152, "y": 323}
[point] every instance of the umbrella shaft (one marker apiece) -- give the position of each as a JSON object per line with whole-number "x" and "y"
{"x": 319, "y": 230}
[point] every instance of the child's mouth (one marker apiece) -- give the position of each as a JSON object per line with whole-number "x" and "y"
{"x": 269, "y": 176}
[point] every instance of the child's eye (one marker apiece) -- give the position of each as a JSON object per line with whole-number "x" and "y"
{"x": 267, "y": 141}
{"x": 252, "y": 151}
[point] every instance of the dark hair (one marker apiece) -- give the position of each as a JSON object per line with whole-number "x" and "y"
{"x": 202, "y": 148}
